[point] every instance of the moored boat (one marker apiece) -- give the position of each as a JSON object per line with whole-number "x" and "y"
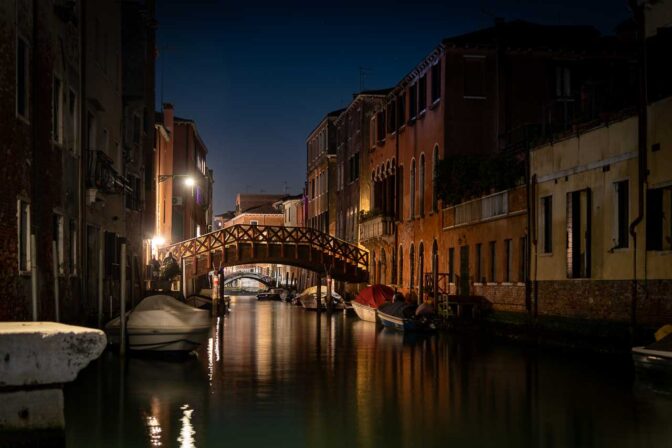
{"x": 308, "y": 299}
{"x": 369, "y": 299}
{"x": 401, "y": 316}
{"x": 162, "y": 323}
{"x": 656, "y": 356}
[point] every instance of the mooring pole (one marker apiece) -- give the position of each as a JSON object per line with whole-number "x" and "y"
{"x": 330, "y": 306}
{"x": 33, "y": 273}
{"x": 319, "y": 291}
{"x": 122, "y": 317}
{"x": 54, "y": 250}
{"x": 101, "y": 240}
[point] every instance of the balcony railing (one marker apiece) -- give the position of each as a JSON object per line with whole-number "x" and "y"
{"x": 376, "y": 227}
{"x": 485, "y": 208}
{"x": 102, "y": 175}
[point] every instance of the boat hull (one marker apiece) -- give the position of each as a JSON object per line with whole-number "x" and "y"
{"x": 364, "y": 312}
{"x": 402, "y": 324}
{"x": 163, "y": 340}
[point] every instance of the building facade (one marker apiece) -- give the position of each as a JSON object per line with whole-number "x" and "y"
{"x": 183, "y": 179}
{"x": 448, "y": 155}
{"x": 75, "y": 192}
{"x": 321, "y": 175}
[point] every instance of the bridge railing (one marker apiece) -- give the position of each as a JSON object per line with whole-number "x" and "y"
{"x": 241, "y": 233}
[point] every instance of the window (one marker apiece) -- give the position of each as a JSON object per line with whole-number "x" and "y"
{"x": 563, "y": 82}
{"x": 522, "y": 260}
{"x": 411, "y": 260}
{"x": 474, "y": 77}
{"x": 479, "y": 264}
{"x": 72, "y": 118}
{"x": 72, "y": 260}
{"x": 658, "y": 219}
{"x": 22, "y": 70}
{"x": 451, "y": 265}
{"x": 391, "y": 117}
{"x": 401, "y": 266}
{"x": 421, "y": 185}
{"x": 412, "y": 102}
{"x": 546, "y": 233}
{"x": 401, "y": 110}
{"x": 353, "y": 167}
{"x": 578, "y": 228}
{"x": 23, "y": 224}
{"x": 412, "y": 191}
{"x": 372, "y": 132}
{"x": 622, "y": 206}
{"x": 380, "y": 126}
{"x": 508, "y": 253}
{"x": 493, "y": 262}
{"x": 58, "y": 238}
{"x": 422, "y": 94}
{"x": 57, "y": 111}
{"x": 436, "y": 82}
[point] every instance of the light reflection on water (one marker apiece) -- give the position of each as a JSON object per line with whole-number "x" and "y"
{"x": 274, "y": 375}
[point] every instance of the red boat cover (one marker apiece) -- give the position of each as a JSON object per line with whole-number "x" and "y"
{"x": 375, "y": 295}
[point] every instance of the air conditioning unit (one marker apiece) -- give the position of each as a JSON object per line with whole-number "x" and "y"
{"x": 177, "y": 200}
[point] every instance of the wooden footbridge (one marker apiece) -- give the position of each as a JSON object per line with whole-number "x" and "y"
{"x": 294, "y": 246}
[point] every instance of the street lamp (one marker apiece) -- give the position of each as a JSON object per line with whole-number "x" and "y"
{"x": 189, "y": 181}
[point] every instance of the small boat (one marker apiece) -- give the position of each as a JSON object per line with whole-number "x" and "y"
{"x": 369, "y": 299}
{"x": 278, "y": 294}
{"x": 656, "y": 356}
{"x": 162, "y": 323}
{"x": 308, "y": 299}
{"x": 401, "y": 316}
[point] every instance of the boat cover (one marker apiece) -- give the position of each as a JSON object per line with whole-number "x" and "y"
{"x": 161, "y": 311}
{"x": 398, "y": 309}
{"x": 664, "y": 345}
{"x": 313, "y": 291}
{"x": 375, "y": 295}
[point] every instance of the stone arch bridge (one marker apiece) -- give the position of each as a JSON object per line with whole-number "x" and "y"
{"x": 293, "y": 246}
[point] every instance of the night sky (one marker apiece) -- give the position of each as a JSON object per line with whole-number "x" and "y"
{"x": 257, "y": 76}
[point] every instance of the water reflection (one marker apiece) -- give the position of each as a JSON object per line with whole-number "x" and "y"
{"x": 274, "y": 375}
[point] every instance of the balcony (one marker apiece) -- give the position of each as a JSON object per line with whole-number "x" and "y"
{"x": 102, "y": 176}
{"x": 486, "y": 208}
{"x": 375, "y": 227}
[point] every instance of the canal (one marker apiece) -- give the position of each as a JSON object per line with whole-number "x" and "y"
{"x": 273, "y": 375}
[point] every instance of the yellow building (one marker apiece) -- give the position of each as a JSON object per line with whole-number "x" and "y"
{"x": 586, "y": 192}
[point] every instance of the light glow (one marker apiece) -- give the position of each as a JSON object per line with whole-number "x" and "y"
{"x": 189, "y": 181}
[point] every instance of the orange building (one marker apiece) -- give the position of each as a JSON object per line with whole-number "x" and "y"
{"x": 466, "y": 108}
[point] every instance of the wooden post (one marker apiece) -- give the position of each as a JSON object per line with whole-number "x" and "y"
{"x": 33, "y": 273}
{"x": 122, "y": 347}
{"x": 319, "y": 291}
{"x": 330, "y": 306}
{"x": 54, "y": 251}
{"x": 101, "y": 265}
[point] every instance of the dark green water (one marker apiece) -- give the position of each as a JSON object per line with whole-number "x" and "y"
{"x": 276, "y": 376}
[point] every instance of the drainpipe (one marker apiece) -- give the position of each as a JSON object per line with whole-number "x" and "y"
{"x": 34, "y": 171}
{"x": 642, "y": 172}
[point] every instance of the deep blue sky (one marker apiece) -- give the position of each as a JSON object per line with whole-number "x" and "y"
{"x": 257, "y": 76}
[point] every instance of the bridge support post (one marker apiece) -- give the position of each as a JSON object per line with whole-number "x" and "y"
{"x": 318, "y": 277}
{"x": 330, "y": 305}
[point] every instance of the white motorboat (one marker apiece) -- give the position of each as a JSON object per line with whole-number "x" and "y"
{"x": 308, "y": 299}
{"x": 364, "y": 312}
{"x": 162, "y": 323}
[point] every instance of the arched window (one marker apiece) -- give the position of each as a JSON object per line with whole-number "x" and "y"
{"x": 421, "y": 185}
{"x": 435, "y": 176}
{"x": 412, "y": 191}
{"x": 411, "y": 261}
{"x": 421, "y": 265}
{"x": 401, "y": 266}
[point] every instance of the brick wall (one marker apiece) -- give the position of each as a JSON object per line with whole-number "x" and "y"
{"x": 606, "y": 300}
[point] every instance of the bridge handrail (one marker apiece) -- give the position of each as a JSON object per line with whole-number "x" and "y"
{"x": 244, "y": 233}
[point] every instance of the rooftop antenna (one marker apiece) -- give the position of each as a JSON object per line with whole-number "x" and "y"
{"x": 363, "y": 71}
